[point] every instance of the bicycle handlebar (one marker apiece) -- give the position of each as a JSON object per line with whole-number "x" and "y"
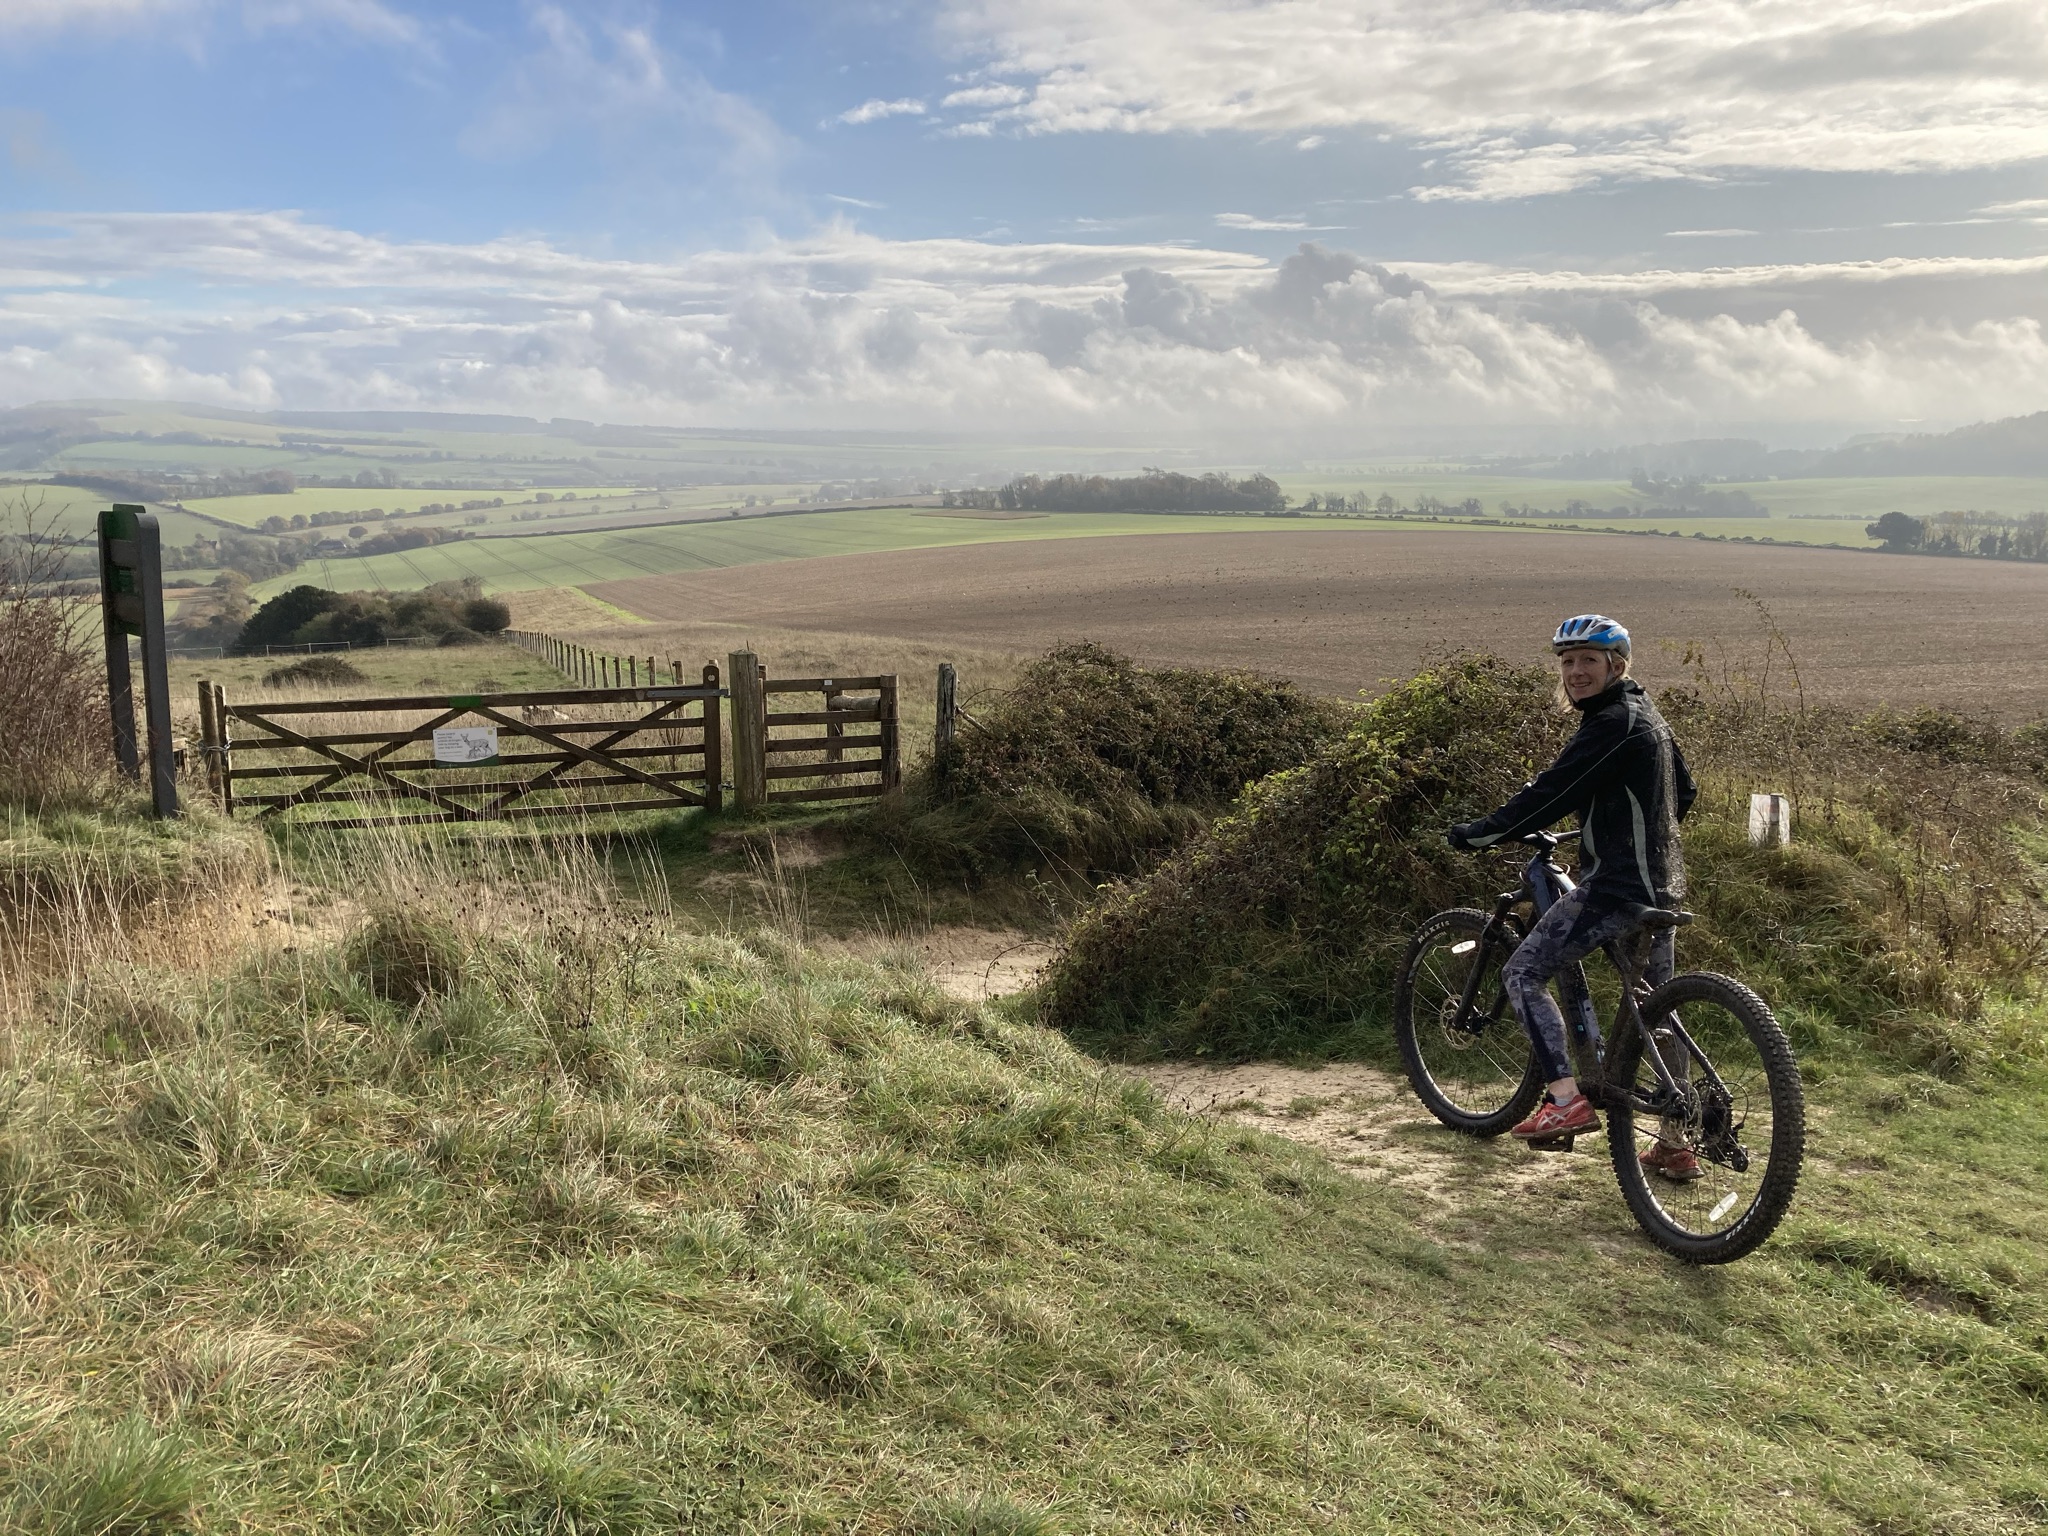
{"x": 1547, "y": 839}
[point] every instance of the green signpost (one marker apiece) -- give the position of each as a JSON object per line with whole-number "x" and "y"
{"x": 132, "y": 604}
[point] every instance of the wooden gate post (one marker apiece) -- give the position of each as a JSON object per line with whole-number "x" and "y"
{"x": 749, "y": 730}
{"x": 209, "y": 739}
{"x": 892, "y": 757}
{"x": 834, "y": 732}
{"x": 225, "y": 741}
{"x": 714, "y": 745}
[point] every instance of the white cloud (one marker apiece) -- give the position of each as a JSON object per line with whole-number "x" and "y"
{"x": 1706, "y": 234}
{"x": 2021, "y": 205}
{"x": 874, "y": 110}
{"x": 1525, "y": 99}
{"x": 1252, "y": 221}
{"x": 27, "y": 16}
{"x": 853, "y": 202}
{"x": 985, "y": 96}
{"x": 1313, "y": 141}
{"x": 843, "y": 329}
{"x": 370, "y": 19}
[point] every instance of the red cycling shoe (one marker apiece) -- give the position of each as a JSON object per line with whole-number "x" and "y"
{"x": 1552, "y": 1119}
{"x": 1678, "y": 1164}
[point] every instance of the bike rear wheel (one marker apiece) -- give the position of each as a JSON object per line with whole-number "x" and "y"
{"x": 1479, "y": 1077}
{"x": 1749, "y": 1141}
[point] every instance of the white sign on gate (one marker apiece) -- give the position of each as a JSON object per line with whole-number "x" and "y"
{"x": 466, "y": 744}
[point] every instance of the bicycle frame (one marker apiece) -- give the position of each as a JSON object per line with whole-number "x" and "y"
{"x": 1544, "y": 883}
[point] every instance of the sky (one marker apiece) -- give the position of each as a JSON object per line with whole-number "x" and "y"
{"x": 1322, "y": 223}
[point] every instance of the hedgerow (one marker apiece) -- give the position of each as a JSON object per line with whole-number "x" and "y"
{"x": 1092, "y": 764}
{"x": 1906, "y": 904}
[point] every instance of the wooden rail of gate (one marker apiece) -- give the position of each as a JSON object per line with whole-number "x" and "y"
{"x": 661, "y": 750}
{"x": 809, "y": 760}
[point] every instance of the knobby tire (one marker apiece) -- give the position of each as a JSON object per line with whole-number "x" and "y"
{"x": 1743, "y": 1230}
{"x": 1517, "y": 1097}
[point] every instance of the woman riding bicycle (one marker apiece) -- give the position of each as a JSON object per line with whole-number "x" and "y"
{"x": 1624, "y": 777}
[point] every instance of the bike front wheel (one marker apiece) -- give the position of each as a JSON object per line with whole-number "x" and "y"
{"x": 1477, "y": 1074}
{"x": 1739, "y": 1108}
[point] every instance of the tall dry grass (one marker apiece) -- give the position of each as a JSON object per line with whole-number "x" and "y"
{"x": 54, "y": 742}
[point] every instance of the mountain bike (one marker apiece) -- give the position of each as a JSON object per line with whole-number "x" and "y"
{"x": 1699, "y": 1062}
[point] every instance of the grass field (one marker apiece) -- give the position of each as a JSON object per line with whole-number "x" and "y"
{"x": 577, "y": 559}
{"x": 66, "y": 509}
{"x": 401, "y": 670}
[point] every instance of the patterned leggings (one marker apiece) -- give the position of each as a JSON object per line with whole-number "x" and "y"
{"x": 1560, "y": 937}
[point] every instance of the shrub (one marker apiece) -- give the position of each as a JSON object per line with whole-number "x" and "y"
{"x": 320, "y": 671}
{"x": 1272, "y": 929}
{"x": 1093, "y": 763}
{"x": 486, "y": 615}
{"x": 1903, "y": 905}
{"x": 455, "y": 612}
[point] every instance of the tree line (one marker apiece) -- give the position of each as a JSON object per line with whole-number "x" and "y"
{"x": 1985, "y": 535}
{"x": 1156, "y": 490}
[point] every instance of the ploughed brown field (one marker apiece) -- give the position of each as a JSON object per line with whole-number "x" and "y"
{"x": 1340, "y": 612}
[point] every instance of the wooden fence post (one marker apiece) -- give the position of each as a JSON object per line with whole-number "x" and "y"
{"x": 634, "y": 663}
{"x": 892, "y": 757}
{"x": 714, "y": 753}
{"x": 947, "y": 719}
{"x": 749, "y": 730}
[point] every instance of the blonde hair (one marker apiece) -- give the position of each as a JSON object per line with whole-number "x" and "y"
{"x": 1617, "y": 669}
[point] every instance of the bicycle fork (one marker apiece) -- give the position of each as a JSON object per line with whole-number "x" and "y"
{"x": 1482, "y": 952}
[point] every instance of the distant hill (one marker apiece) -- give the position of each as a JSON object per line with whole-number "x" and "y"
{"x": 2017, "y": 445}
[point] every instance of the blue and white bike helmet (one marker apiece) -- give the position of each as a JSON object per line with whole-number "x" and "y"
{"x": 1590, "y": 629}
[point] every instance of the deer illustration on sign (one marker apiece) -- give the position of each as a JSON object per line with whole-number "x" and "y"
{"x": 466, "y": 745}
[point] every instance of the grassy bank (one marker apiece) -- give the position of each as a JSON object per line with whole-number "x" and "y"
{"x": 523, "y": 1210}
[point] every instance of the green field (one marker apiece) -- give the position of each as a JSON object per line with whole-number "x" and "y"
{"x": 392, "y": 670}
{"x": 250, "y": 511}
{"x": 517, "y": 564}
{"x": 574, "y": 559}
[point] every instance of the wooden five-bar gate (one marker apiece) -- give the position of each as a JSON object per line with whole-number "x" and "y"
{"x": 564, "y": 752}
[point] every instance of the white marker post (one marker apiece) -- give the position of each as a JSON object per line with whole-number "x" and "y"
{"x": 1770, "y": 821}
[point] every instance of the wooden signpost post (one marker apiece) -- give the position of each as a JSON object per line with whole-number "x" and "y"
{"x": 132, "y": 603}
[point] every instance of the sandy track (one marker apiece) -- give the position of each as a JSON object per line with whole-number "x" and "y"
{"x": 1369, "y": 1123}
{"x": 1342, "y": 611}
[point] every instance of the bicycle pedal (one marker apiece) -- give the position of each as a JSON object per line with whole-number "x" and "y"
{"x": 1553, "y": 1144}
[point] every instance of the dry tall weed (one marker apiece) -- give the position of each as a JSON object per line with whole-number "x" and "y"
{"x": 54, "y": 747}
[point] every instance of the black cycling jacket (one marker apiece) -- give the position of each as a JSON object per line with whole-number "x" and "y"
{"x": 1623, "y": 776}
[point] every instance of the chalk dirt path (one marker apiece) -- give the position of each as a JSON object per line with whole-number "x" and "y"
{"x": 1364, "y": 1119}
{"x": 1368, "y": 1122}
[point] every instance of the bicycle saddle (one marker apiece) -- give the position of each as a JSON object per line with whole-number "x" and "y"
{"x": 1658, "y": 917}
